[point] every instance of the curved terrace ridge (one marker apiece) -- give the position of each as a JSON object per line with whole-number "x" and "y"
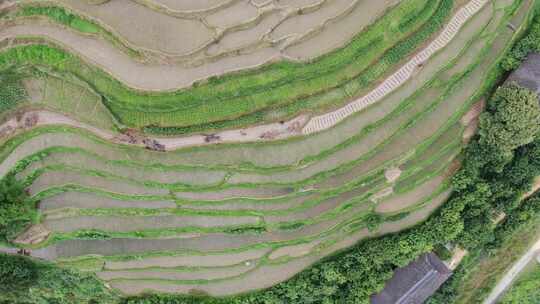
{"x": 256, "y": 42}
{"x": 352, "y": 166}
{"x": 301, "y": 125}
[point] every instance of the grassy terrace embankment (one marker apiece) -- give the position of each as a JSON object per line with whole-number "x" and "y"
{"x": 232, "y": 218}
{"x": 343, "y": 138}
{"x": 275, "y": 85}
{"x": 331, "y": 197}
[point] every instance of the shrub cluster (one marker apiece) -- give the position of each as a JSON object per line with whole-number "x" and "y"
{"x": 16, "y": 211}
{"x": 530, "y": 43}
{"x": 26, "y": 281}
{"x": 12, "y": 91}
{"x": 16, "y": 273}
{"x": 62, "y": 16}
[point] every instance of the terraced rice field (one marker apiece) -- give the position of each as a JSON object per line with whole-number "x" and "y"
{"x": 223, "y": 146}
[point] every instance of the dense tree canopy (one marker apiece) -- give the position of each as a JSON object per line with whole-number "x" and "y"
{"x": 28, "y": 281}
{"x": 12, "y": 90}
{"x": 489, "y": 191}
{"x": 501, "y": 163}
{"x": 512, "y": 120}
{"x": 525, "y": 290}
{"x": 530, "y": 43}
{"x": 16, "y": 272}
{"x": 16, "y": 212}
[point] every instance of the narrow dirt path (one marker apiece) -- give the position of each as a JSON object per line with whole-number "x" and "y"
{"x": 251, "y": 134}
{"x": 402, "y": 75}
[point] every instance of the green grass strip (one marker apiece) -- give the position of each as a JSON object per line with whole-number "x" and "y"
{"x": 226, "y": 97}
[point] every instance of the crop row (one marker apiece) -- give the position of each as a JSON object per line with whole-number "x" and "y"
{"x": 477, "y": 81}
{"x": 398, "y": 113}
{"x": 221, "y": 92}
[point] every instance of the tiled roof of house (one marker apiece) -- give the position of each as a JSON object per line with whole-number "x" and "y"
{"x": 414, "y": 283}
{"x": 528, "y": 74}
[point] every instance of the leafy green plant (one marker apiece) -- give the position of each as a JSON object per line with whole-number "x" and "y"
{"x": 373, "y": 221}
{"x": 92, "y": 235}
{"x": 530, "y": 43}
{"x": 247, "y": 229}
{"x": 62, "y": 16}
{"x": 16, "y": 272}
{"x": 16, "y": 211}
{"x": 27, "y": 281}
{"x": 12, "y": 90}
{"x": 442, "y": 252}
{"x": 512, "y": 120}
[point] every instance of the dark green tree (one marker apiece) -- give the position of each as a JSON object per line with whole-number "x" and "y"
{"x": 16, "y": 212}
{"x": 530, "y": 43}
{"x": 512, "y": 120}
{"x": 16, "y": 272}
{"x": 12, "y": 90}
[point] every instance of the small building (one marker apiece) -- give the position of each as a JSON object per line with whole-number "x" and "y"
{"x": 414, "y": 283}
{"x": 528, "y": 74}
